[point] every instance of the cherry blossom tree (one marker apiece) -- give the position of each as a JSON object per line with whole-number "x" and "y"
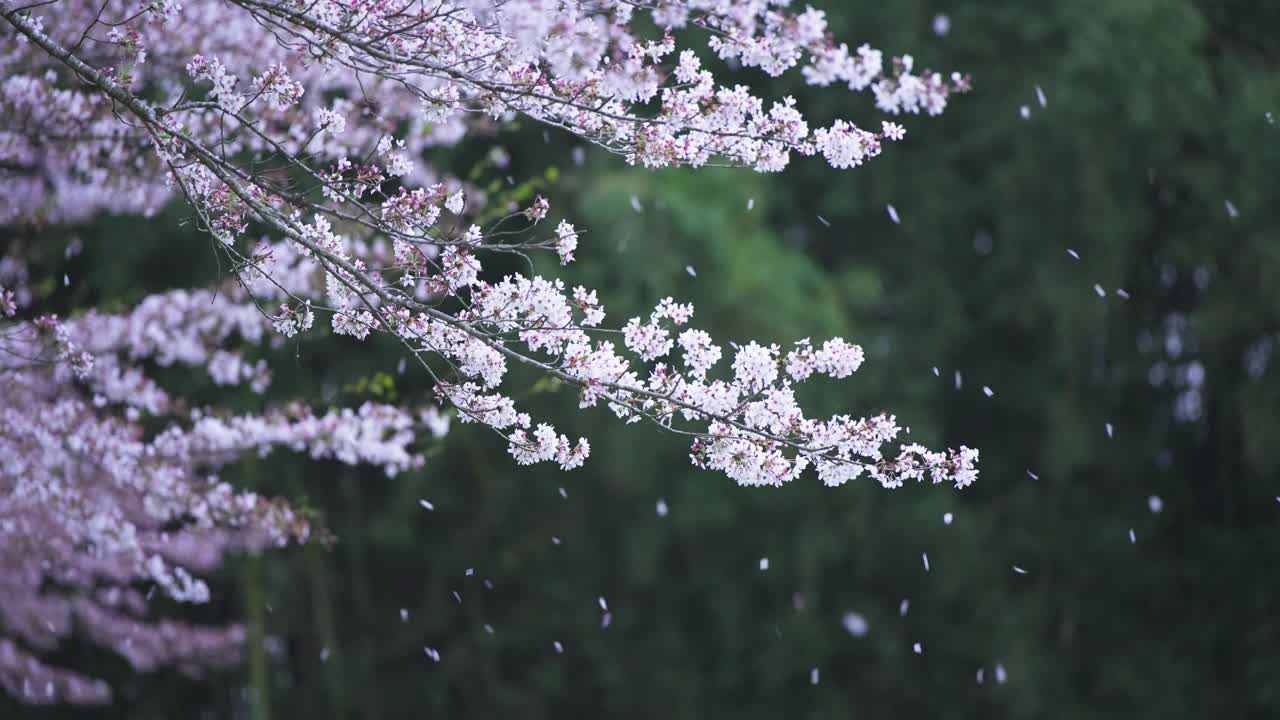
{"x": 295, "y": 131}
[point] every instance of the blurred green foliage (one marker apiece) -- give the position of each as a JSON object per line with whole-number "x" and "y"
{"x": 1158, "y": 113}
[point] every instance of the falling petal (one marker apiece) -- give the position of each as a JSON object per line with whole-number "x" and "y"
{"x": 1124, "y": 294}
{"x": 813, "y": 676}
{"x": 1132, "y": 537}
{"x": 893, "y": 214}
{"x": 1075, "y": 255}
{"x": 1155, "y": 504}
{"x": 1025, "y": 112}
{"x": 1001, "y": 675}
{"x": 924, "y": 557}
{"x": 917, "y": 648}
{"x": 603, "y": 605}
{"x": 564, "y": 494}
{"x": 661, "y": 507}
{"x": 982, "y": 242}
{"x": 935, "y": 371}
{"x": 823, "y": 221}
{"x": 751, "y": 203}
{"x": 946, "y": 518}
{"x": 404, "y": 615}
{"x": 559, "y": 648}
{"x": 987, "y": 391}
{"x": 1110, "y": 430}
{"x": 903, "y": 607}
{"x": 1019, "y": 570}
{"x": 635, "y": 204}
{"x": 1232, "y": 212}
{"x": 941, "y": 24}
{"x": 1098, "y": 289}
{"x": 979, "y": 676}
{"x": 689, "y": 269}
{"x": 764, "y": 563}
{"x": 855, "y": 624}
{"x": 959, "y": 380}
{"x": 1032, "y": 475}
{"x": 427, "y": 504}
{"x": 1044, "y": 101}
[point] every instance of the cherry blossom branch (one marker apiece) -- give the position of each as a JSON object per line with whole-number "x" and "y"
{"x": 308, "y": 121}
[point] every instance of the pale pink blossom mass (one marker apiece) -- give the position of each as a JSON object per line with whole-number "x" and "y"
{"x": 127, "y": 106}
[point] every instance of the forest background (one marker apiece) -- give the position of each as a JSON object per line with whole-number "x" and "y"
{"x": 1115, "y": 560}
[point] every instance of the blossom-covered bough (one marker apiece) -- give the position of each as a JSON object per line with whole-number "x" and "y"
{"x": 296, "y": 131}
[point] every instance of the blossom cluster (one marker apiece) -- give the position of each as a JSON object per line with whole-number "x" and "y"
{"x": 296, "y": 133}
{"x": 746, "y": 424}
{"x": 94, "y": 508}
{"x": 329, "y": 81}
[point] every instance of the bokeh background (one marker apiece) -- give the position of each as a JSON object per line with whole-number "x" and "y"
{"x": 1154, "y": 157}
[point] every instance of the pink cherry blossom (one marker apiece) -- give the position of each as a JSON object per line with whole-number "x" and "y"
{"x": 297, "y": 136}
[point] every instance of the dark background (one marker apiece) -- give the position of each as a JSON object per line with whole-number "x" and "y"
{"x": 1155, "y": 159}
